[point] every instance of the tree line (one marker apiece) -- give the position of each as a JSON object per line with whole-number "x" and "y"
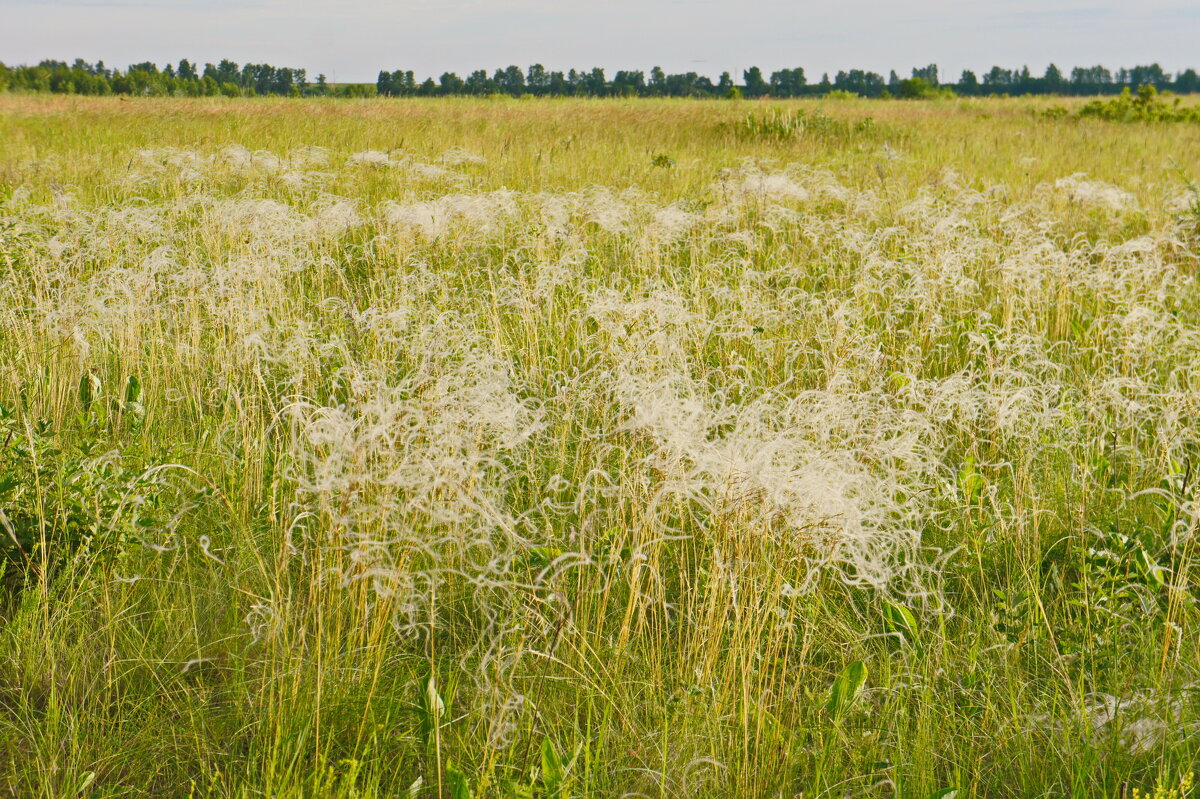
{"x": 229, "y": 79}
{"x": 185, "y": 80}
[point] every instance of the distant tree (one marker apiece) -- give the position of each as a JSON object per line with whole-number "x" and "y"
{"x": 998, "y": 80}
{"x": 478, "y": 82}
{"x": 788, "y": 82}
{"x": 754, "y": 85}
{"x": 1091, "y": 80}
{"x": 1152, "y": 75}
{"x": 1053, "y": 81}
{"x": 231, "y": 79}
{"x": 928, "y": 74}
{"x": 451, "y": 83}
{"x": 629, "y": 83}
{"x": 229, "y": 71}
{"x": 538, "y": 80}
{"x": 689, "y": 84}
{"x": 595, "y": 84}
{"x": 857, "y": 81}
{"x": 1025, "y": 82}
{"x": 658, "y": 81}
{"x": 511, "y": 80}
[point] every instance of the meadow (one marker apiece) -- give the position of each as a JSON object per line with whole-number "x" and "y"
{"x": 597, "y": 448}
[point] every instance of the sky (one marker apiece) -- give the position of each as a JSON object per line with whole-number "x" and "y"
{"x": 351, "y": 40}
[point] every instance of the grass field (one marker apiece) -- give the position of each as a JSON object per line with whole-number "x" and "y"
{"x": 596, "y": 449}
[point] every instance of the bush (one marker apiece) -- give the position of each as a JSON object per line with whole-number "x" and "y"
{"x": 358, "y": 90}
{"x": 1145, "y": 106}
{"x": 921, "y": 89}
{"x": 57, "y": 499}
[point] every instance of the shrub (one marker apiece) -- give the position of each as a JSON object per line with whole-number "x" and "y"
{"x": 57, "y": 498}
{"x": 1145, "y": 106}
{"x": 921, "y": 89}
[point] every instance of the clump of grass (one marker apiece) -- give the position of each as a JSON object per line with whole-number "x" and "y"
{"x": 777, "y": 125}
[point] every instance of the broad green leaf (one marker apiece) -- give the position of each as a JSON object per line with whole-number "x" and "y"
{"x": 89, "y": 389}
{"x": 517, "y": 790}
{"x": 945, "y": 793}
{"x": 543, "y": 556}
{"x": 1156, "y": 574}
{"x": 456, "y": 780}
{"x": 88, "y": 779}
{"x": 133, "y": 400}
{"x": 846, "y": 688}
{"x": 553, "y": 770}
{"x": 899, "y": 620}
{"x": 434, "y": 705}
{"x": 133, "y": 390}
{"x": 432, "y": 708}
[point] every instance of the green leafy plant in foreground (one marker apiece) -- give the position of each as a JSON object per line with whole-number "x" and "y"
{"x": 63, "y": 489}
{"x": 554, "y": 778}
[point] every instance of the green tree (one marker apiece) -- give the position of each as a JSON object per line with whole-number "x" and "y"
{"x": 537, "y": 80}
{"x": 1053, "y": 80}
{"x": 788, "y": 82}
{"x": 511, "y": 81}
{"x": 629, "y": 83}
{"x": 755, "y": 86}
{"x": 928, "y": 74}
{"x": 658, "y": 81}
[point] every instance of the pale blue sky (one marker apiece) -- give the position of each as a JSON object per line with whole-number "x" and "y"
{"x": 352, "y": 40}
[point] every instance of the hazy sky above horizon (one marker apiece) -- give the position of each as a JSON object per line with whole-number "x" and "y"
{"x": 351, "y": 40}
